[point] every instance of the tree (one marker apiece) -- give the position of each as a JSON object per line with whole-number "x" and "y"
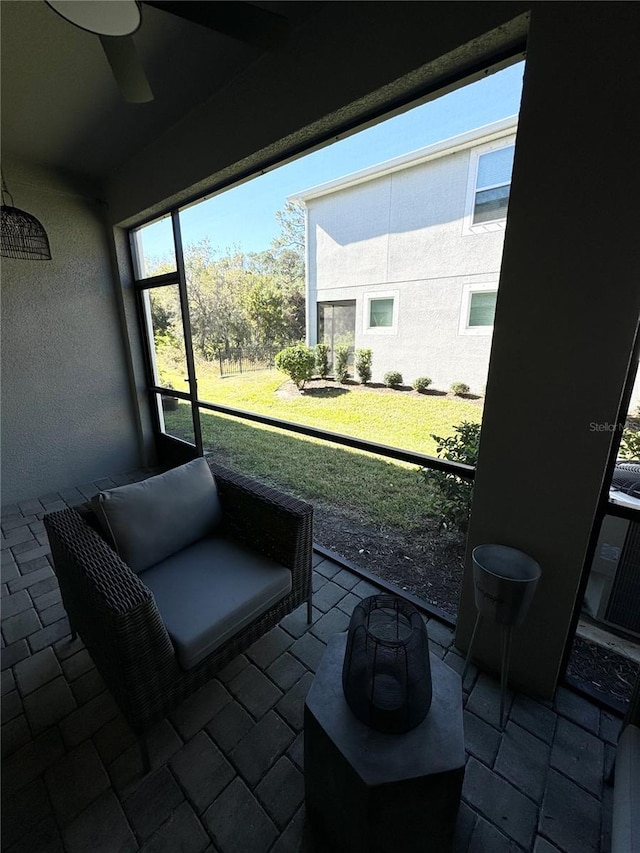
{"x": 265, "y": 303}
{"x": 217, "y": 289}
{"x": 168, "y": 341}
{"x": 284, "y": 262}
{"x": 162, "y": 317}
{"x": 238, "y": 299}
{"x": 292, "y": 228}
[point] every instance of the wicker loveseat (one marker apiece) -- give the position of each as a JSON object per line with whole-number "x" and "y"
{"x": 119, "y": 620}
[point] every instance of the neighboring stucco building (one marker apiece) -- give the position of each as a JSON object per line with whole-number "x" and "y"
{"x": 404, "y": 257}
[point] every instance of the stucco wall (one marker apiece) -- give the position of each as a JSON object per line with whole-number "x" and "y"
{"x": 426, "y": 341}
{"x": 67, "y": 412}
{"x": 404, "y": 232}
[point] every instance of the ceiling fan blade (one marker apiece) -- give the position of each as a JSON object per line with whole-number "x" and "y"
{"x": 242, "y": 21}
{"x": 127, "y": 68}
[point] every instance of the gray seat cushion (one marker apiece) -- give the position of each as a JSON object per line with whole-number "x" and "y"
{"x": 148, "y": 521}
{"x": 210, "y": 591}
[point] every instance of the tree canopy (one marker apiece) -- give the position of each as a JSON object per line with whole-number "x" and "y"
{"x": 237, "y": 299}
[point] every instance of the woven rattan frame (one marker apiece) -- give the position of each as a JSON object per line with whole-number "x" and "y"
{"x": 116, "y": 616}
{"x": 23, "y": 236}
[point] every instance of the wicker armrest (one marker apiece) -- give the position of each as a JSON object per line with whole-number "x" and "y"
{"x": 267, "y": 519}
{"x": 82, "y": 556}
{"x": 114, "y": 613}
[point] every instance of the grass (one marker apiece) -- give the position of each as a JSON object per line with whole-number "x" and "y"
{"x": 382, "y": 491}
{"x": 397, "y": 418}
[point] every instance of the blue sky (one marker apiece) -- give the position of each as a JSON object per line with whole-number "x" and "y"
{"x": 244, "y": 217}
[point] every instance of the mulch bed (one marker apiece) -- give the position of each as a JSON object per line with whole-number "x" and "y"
{"x": 428, "y": 564}
{"x": 331, "y": 388}
{"x": 601, "y": 672}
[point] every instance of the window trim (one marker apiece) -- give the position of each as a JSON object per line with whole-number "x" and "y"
{"x": 370, "y": 297}
{"x": 465, "y": 309}
{"x": 491, "y": 225}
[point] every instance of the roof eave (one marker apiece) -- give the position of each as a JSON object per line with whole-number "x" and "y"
{"x": 446, "y": 147}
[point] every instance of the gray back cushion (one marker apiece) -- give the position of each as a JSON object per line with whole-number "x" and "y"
{"x": 149, "y": 521}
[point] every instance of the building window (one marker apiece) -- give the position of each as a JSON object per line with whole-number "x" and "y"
{"x": 482, "y": 308}
{"x": 488, "y": 188}
{"x": 478, "y": 309}
{"x": 492, "y": 185}
{"x": 381, "y": 312}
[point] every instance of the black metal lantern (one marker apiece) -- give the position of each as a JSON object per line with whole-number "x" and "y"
{"x": 386, "y": 675}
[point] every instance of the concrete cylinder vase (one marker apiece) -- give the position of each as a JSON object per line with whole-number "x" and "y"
{"x": 505, "y": 580}
{"x": 386, "y": 675}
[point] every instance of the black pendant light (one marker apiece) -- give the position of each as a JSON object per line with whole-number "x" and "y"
{"x": 22, "y": 234}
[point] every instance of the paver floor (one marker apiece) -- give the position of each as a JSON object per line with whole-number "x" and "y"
{"x": 227, "y": 767}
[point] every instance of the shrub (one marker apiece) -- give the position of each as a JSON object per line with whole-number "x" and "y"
{"x": 364, "y": 357}
{"x": 298, "y": 362}
{"x": 451, "y": 494}
{"x": 342, "y": 357}
{"x": 459, "y": 388}
{"x": 630, "y": 445}
{"x": 421, "y": 384}
{"x": 322, "y": 360}
{"x": 392, "y": 379}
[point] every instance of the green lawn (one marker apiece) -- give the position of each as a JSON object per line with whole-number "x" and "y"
{"x": 383, "y": 491}
{"x": 398, "y": 418}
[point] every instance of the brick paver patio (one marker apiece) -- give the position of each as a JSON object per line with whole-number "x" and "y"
{"x": 227, "y": 767}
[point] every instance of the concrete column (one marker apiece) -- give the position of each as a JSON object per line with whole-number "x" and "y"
{"x": 567, "y": 314}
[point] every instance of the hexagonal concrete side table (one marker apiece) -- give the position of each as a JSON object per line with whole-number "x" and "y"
{"x": 371, "y": 792}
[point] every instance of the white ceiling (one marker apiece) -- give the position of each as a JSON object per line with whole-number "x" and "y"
{"x": 61, "y": 106}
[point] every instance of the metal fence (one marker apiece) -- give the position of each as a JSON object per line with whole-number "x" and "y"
{"x": 246, "y": 360}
